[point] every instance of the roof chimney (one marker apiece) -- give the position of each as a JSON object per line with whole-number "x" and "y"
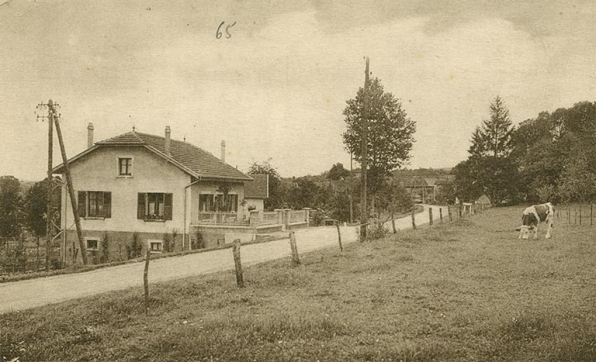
{"x": 166, "y": 145}
{"x": 90, "y": 135}
{"x": 223, "y": 151}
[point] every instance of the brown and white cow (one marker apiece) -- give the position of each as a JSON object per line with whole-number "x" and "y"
{"x": 534, "y": 215}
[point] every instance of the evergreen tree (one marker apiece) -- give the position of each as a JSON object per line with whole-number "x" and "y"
{"x": 490, "y": 167}
{"x": 494, "y": 136}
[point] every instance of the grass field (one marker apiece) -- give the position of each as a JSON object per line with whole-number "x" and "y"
{"x": 468, "y": 291}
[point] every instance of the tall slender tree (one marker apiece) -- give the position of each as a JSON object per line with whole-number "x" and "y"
{"x": 390, "y": 133}
{"x": 490, "y": 167}
{"x": 493, "y": 137}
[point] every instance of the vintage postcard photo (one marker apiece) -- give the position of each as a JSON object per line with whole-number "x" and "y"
{"x": 297, "y": 180}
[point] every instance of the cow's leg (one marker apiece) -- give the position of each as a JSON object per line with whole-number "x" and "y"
{"x": 549, "y": 227}
{"x": 536, "y": 231}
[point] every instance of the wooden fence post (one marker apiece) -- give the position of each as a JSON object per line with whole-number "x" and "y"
{"x": 441, "y": 214}
{"x": 413, "y": 218}
{"x": 568, "y": 214}
{"x": 575, "y": 215}
{"x": 295, "y": 256}
{"x": 338, "y": 238}
{"x": 393, "y": 224}
{"x": 580, "y": 213}
{"x": 449, "y": 214}
{"x": 591, "y": 222}
{"x": 146, "y": 279}
{"x": 430, "y": 216}
{"x": 460, "y": 209}
{"x": 238, "y": 264}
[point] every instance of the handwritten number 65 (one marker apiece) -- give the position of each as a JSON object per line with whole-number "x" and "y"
{"x": 218, "y": 34}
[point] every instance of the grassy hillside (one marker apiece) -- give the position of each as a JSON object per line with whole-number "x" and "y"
{"x": 462, "y": 292}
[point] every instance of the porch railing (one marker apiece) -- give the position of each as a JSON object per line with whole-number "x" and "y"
{"x": 220, "y": 218}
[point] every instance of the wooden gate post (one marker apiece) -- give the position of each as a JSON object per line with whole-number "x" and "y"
{"x": 146, "y": 279}
{"x": 295, "y": 256}
{"x": 413, "y": 218}
{"x": 441, "y": 214}
{"x": 238, "y": 264}
{"x": 430, "y": 216}
{"x": 341, "y": 248}
{"x": 449, "y": 214}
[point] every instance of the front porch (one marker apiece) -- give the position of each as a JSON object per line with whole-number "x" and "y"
{"x": 216, "y": 228}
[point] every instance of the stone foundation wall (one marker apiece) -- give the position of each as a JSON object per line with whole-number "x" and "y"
{"x": 117, "y": 245}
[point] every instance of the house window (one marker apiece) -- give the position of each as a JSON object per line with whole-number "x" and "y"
{"x": 154, "y": 206}
{"x": 95, "y": 204}
{"x": 92, "y": 244}
{"x": 206, "y": 203}
{"x": 218, "y": 203}
{"x": 125, "y": 166}
{"x": 156, "y": 246}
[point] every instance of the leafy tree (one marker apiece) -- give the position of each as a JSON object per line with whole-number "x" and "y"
{"x": 304, "y": 193}
{"x": 10, "y": 207}
{"x": 276, "y": 197}
{"x": 578, "y": 181}
{"x": 445, "y": 192}
{"x": 389, "y": 132}
{"x": 338, "y": 172}
{"x": 35, "y": 206}
{"x": 467, "y": 184}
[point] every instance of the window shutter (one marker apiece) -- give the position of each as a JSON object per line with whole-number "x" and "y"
{"x": 167, "y": 209}
{"x": 141, "y": 206}
{"x": 107, "y": 204}
{"x": 82, "y": 203}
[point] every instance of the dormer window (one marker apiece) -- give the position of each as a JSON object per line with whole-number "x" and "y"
{"x": 124, "y": 166}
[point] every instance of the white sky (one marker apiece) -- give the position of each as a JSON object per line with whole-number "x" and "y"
{"x": 277, "y": 88}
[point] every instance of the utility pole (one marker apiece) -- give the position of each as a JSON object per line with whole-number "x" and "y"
{"x": 351, "y": 192}
{"x": 49, "y": 201}
{"x": 55, "y": 117}
{"x": 364, "y": 153}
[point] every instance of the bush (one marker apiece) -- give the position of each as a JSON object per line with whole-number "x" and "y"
{"x": 105, "y": 244}
{"x": 166, "y": 243}
{"x": 198, "y": 242}
{"x": 136, "y": 248}
{"x": 376, "y": 231}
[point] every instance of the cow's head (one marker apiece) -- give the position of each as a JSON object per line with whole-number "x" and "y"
{"x": 524, "y": 231}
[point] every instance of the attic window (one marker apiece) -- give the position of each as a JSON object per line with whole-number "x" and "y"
{"x": 124, "y": 166}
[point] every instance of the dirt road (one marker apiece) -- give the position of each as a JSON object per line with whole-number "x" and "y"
{"x": 38, "y": 292}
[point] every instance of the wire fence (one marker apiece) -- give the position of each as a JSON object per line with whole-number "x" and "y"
{"x": 578, "y": 214}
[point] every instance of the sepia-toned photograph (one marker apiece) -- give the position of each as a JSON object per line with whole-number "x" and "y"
{"x": 308, "y": 180}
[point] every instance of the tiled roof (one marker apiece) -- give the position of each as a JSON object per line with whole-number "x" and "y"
{"x": 193, "y": 160}
{"x": 257, "y": 189}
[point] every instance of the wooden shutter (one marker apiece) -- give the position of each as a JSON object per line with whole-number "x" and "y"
{"x": 167, "y": 207}
{"x": 141, "y": 206}
{"x": 107, "y": 204}
{"x": 82, "y": 203}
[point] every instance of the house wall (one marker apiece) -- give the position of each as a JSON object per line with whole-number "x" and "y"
{"x": 258, "y": 203}
{"x": 118, "y": 241}
{"x": 99, "y": 172}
